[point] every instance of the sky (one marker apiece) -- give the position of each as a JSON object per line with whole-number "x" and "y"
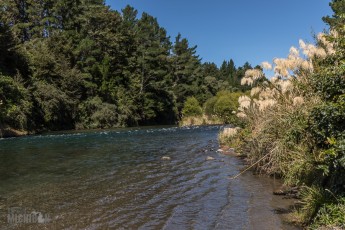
{"x": 242, "y": 30}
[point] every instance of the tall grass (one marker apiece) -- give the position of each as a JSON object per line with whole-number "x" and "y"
{"x": 286, "y": 134}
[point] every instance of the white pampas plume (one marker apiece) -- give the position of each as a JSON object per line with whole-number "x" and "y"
{"x": 311, "y": 51}
{"x": 307, "y": 65}
{"x": 255, "y": 91}
{"x": 285, "y": 85}
{"x": 244, "y": 102}
{"x": 302, "y": 44}
{"x": 274, "y": 79}
{"x": 230, "y": 132}
{"x": 320, "y": 52}
{"x": 294, "y": 51}
{"x": 253, "y": 73}
{"x": 298, "y": 101}
{"x": 264, "y": 104}
{"x": 268, "y": 94}
{"x": 266, "y": 65}
{"x": 241, "y": 115}
{"x": 247, "y": 81}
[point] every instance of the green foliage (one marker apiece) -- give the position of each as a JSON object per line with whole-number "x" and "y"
{"x": 15, "y": 106}
{"x": 328, "y": 120}
{"x": 191, "y": 107}
{"x": 226, "y": 106}
{"x": 305, "y": 142}
{"x": 209, "y": 106}
{"x": 223, "y": 105}
{"x": 55, "y": 107}
{"x": 94, "y": 114}
{"x": 331, "y": 214}
{"x": 83, "y": 64}
{"x": 313, "y": 198}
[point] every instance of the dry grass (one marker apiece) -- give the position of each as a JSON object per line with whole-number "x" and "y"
{"x": 200, "y": 120}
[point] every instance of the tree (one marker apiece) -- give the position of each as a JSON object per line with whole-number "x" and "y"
{"x": 186, "y": 71}
{"x": 79, "y": 63}
{"x": 151, "y": 78}
{"x": 191, "y": 107}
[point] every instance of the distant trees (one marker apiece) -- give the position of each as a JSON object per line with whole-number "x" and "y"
{"x": 79, "y": 64}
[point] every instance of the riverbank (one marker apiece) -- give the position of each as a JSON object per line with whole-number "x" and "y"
{"x": 200, "y": 120}
{"x": 10, "y": 132}
{"x": 318, "y": 207}
{"x": 283, "y": 199}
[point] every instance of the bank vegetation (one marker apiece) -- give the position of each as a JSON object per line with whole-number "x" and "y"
{"x": 294, "y": 123}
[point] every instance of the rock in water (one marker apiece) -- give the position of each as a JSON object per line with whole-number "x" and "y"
{"x": 209, "y": 158}
{"x": 166, "y": 158}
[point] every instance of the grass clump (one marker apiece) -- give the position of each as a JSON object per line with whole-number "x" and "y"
{"x": 294, "y": 123}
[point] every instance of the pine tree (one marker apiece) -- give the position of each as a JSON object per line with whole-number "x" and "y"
{"x": 186, "y": 71}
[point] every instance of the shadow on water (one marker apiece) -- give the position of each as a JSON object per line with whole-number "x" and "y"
{"x": 117, "y": 179}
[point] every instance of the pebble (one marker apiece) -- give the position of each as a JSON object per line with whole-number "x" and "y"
{"x": 166, "y": 158}
{"x": 209, "y": 158}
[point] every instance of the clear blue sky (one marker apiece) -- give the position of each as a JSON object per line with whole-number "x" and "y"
{"x": 244, "y": 30}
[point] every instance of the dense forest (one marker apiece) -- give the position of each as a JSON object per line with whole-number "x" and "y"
{"x": 79, "y": 64}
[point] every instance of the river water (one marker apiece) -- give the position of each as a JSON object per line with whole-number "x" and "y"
{"x": 116, "y": 179}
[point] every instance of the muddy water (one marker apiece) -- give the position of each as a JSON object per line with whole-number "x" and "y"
{"x": 116, "y": 179}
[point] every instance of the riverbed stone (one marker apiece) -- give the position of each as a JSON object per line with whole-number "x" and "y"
{"x": 166, "y": 158}
{"x": 208, "y": 158}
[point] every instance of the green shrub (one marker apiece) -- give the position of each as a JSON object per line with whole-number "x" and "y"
{"x": 209, "y": 106}
{"x": 331, "y": 215}
{"x": 14, "y": 103}
{"x": 191, "y": 107}
{"x": 94, "y": 114}
{"x": 54, "y": 106}
{"x": 224, "y": 106}
{"x": 328, "y": 120}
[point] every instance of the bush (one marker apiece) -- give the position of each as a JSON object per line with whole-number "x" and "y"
{"x": 54, "y": 106}
{"x": 224, "y": 106}
{"x": 14, "y": 103}
{"x": 209, "y": 106}
{"x": 94, "y": 114}
{"x": 191, "y": 107}
{"x": 331, "y": 215}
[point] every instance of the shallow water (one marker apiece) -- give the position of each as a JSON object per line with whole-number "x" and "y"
{"x": 116, "y": 179}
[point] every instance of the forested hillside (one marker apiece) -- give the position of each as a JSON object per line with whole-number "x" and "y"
{"x": 79, "y": 64}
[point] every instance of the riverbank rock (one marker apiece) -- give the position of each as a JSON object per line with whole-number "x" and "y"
{"x": 166, "y": 158}
{"x": 225, "y": 150}
{"x": 287, "y": 191}
{"x": 208, "y": 158}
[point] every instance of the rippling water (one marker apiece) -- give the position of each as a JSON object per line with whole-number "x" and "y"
{"x": 116, "y": 180}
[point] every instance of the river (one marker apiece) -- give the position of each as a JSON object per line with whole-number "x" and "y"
{"x": 116, "y": 179}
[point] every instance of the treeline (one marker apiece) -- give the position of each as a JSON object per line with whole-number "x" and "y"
{"x": 79, "y": 64}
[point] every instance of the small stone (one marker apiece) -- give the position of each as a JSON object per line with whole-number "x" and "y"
{"x": 209, "y": 158}
{"x": 220, "y": 150}
{"x": 166, "y": 158}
